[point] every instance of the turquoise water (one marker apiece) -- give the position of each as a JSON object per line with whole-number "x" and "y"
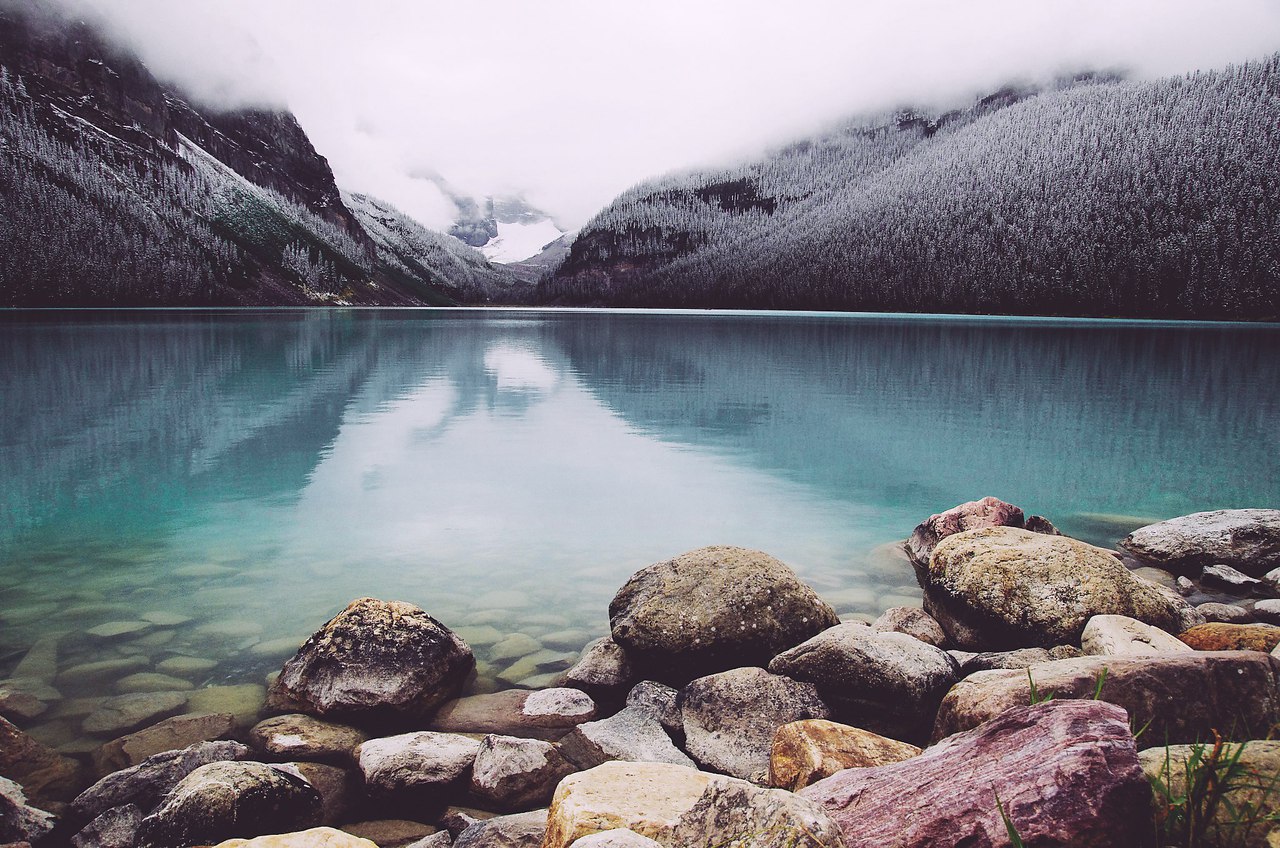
{"x": 253, "y": 471}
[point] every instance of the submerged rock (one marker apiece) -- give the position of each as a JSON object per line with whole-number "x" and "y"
{"x": 804, "y": 752}
{"x": 1244, "y": 539}
{"x": 974, "y": 515}
{"x": 1066, "y": 773}
{"x": 713, "y": 609}
{"x": 376, "y": 661}
{"x": 126, "y": 713}
{"x": 1004, "y": 588}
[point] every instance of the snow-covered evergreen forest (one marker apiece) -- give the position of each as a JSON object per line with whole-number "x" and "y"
{"x": 1095, "y": 197}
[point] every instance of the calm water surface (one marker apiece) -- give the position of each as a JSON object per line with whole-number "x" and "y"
{"x": 248, "y": 473}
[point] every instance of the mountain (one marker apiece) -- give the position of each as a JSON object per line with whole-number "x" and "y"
{"x": 505, "y": 228}
{"x": 116, "y": 190}
{"x": 1098, "y": 196}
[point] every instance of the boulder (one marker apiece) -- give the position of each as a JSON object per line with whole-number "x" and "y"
{"x": 659, "y": 701}
{"x": 678, "y": 806}
{"x": 523, "y": 830}
{"x": 1065, "y": 772}
{"x": 517, "y": 774}
{"x": 128, "y": 713}
{"x": 1178, "y": 697}
{"x": 1267, "y": 612}
{"x": 21, "y": 701}
{"x": 1118, "y": 635}
{"x": 1244, "y": 539}
{"x": 1237, "y": 583}
{"x": 114, "y": 828}
{"x": 1253, "y": 818}
{"x": 390, "y": 833}
{"x": 807, "y": 751}
{"x": 457, "y": 819}
{"x": 226, "y": 800}
{"x": 604, "y": 671}
{"x": 632, "y": 734}
{"x": 418, "y": 766}
{"x": 542, "y": 714}
{"x": 974, "y": 515}
{"x": 1004, "y": 588}
{"x": 338, "y": 788}
{"x": 619, "y": 837}
{"x": 316, "y": 837}
{"x": 1224, "y": 613}
{"x": 376, "y": 663}
{"x": 145, "y": 784}
{"x": 19, "y": 821}
{"x": 912, "y": 621}
{"x": 1232, "y": 637}
{"x": 168, "y": 735}
{"x": 300, "y": 737}
{"x": 45, "y": 775}
{"x": 711, "y": 610}
{"x": 730, "y": 718}
{"x": 886, "y": 682}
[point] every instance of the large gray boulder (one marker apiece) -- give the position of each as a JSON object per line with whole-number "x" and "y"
{"x": 115, "y": 828}
{"x": 375, "y": 663}
{"x": 522, "y": 830}
{"x": 974, "y": 515}
{"x": 228, "y": 800}
{"x": 713, "y": 609}
{"x": 1245, "y": 539}
{"x": 1066, "y": 773}
{"x": 145, "y": 784}
{"x": 1177, "y": 697}
{"x": 1003, "y": 588}
{"x": 730, "y": 718}
{"x": 19, "y": 821}
{"x": 417, "y": 766}
{"x": 514, "y": 774}
{"x": 632, "y": 734}
{"x": 890, "y": 683}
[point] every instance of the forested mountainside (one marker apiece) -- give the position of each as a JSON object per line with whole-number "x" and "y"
{"x": 114, "y": 190}
{"x": 1103, "y": 197}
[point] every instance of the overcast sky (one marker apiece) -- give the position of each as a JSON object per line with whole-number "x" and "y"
{"x": 574, "y": 100}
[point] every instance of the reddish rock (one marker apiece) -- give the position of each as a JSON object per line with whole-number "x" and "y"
{"x": 1232, "y": 637}
{"x": 1066, "y": 772}
{"x": 44, "y": 775}
{"x": 988, "y": 512}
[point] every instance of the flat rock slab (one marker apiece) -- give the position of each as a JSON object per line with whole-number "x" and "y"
{"x": 1118, "y": 635}
{"x": 713, "y": 609}
{"x": 805, "y": 752}
{"x": 678, "y": 806}
{"x": 168, "y": 735}
{"x": 1179, "y": 697}
{"x": 120, "y": 629}
{"x": 1232, "y": 637}
{"x": 316, "y": 837}
{"x": 1245, "y": 539}
{"x": 1066, "y": 772}
{"x": 730, "y": 718}
{"x": 374, "y": 662}
{"x": 127, "y": 713}
{"x": 541, "y": 714}
{"x": 300, "y": 737}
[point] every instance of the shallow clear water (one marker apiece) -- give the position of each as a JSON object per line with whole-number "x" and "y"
{"x": 508, "y": 470}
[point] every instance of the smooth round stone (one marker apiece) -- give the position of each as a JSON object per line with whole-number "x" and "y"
{"x": 126, "y": 713}
{"x": 514, "y": 646}
{"x": 120, "y": 629}
{"x": 158, "y": 639}
{"x": 27, "y": 615}
{"x": 95, "y": 672}
{"x": 186, "y": 666}
{"x": 540, "y": 662}
{"x": 566, "y": 640}
{"x": 244, "y": 701}
{"x": 151, "y": 682}
{"x": 479, "y": 635}
{"x": 163, "y": 618}
{"x": 277, "y": 647}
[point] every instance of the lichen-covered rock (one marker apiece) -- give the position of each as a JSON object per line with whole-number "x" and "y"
{"x": 517, "y": 774}
{"x": 632, "y": 735}
{"x": 170, "y": 734}
{"x": 522, "y": 830}
{"x": 300, "y": 737}
{"x": 887, "y": 682}
{"x": 420, "y": 765}
{"x": 146, "y": 783}
{"x": 713, "y": 609}
{"x": 804, "y": 752}
{"x": 974, "y": 515}
{"x": 603, "y": 671}
{"x": 912, "y": 621}
{"x": 1066, "y": 772}
{"x": 115, "y": 828}
{"x": 1178, "y": 697}
{"x": 541, "y": 714}
{"x": 44, "y": 775}
{"x": 1245, "y": 539}
{"x": 376, "y": 662}
{"x": 19, "y": 821}
{"x": 1118, "y": 635}
{"x": 659, "y": 701}
{"x": 676, "y": 806}
{"x": 730, "y": 718}
{"x": 227, "y": 800}
{"x": 1004, "y": 588}
{"x": 1248, "y": 816}
{"x": 316, "y": 837}
{"x": 1232, "y": 637}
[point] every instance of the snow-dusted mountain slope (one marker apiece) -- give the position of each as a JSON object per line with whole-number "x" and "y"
{"x": 516, "y": 242}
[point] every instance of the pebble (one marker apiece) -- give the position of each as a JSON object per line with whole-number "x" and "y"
{"x": 185, "y": 666}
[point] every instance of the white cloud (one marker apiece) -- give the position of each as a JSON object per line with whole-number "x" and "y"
{"x": 574, "y": 100}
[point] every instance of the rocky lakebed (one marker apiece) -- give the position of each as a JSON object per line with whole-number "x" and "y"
{"x": 1045, "y": 692}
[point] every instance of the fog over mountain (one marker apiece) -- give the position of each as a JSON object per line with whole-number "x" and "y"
{"x": 572, "y": 101}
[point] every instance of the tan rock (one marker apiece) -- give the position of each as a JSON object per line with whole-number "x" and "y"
{"x": 298, "y": 736}
{"x": 807, "y": 751}
{"x": 1233, "y": 637}
{"x": 44, "y": 774}
{"x": 1119, "y": 635}
{"x": 316, "y": 837}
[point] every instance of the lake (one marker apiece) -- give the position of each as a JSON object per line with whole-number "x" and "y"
{"x": 215, "y": 484}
